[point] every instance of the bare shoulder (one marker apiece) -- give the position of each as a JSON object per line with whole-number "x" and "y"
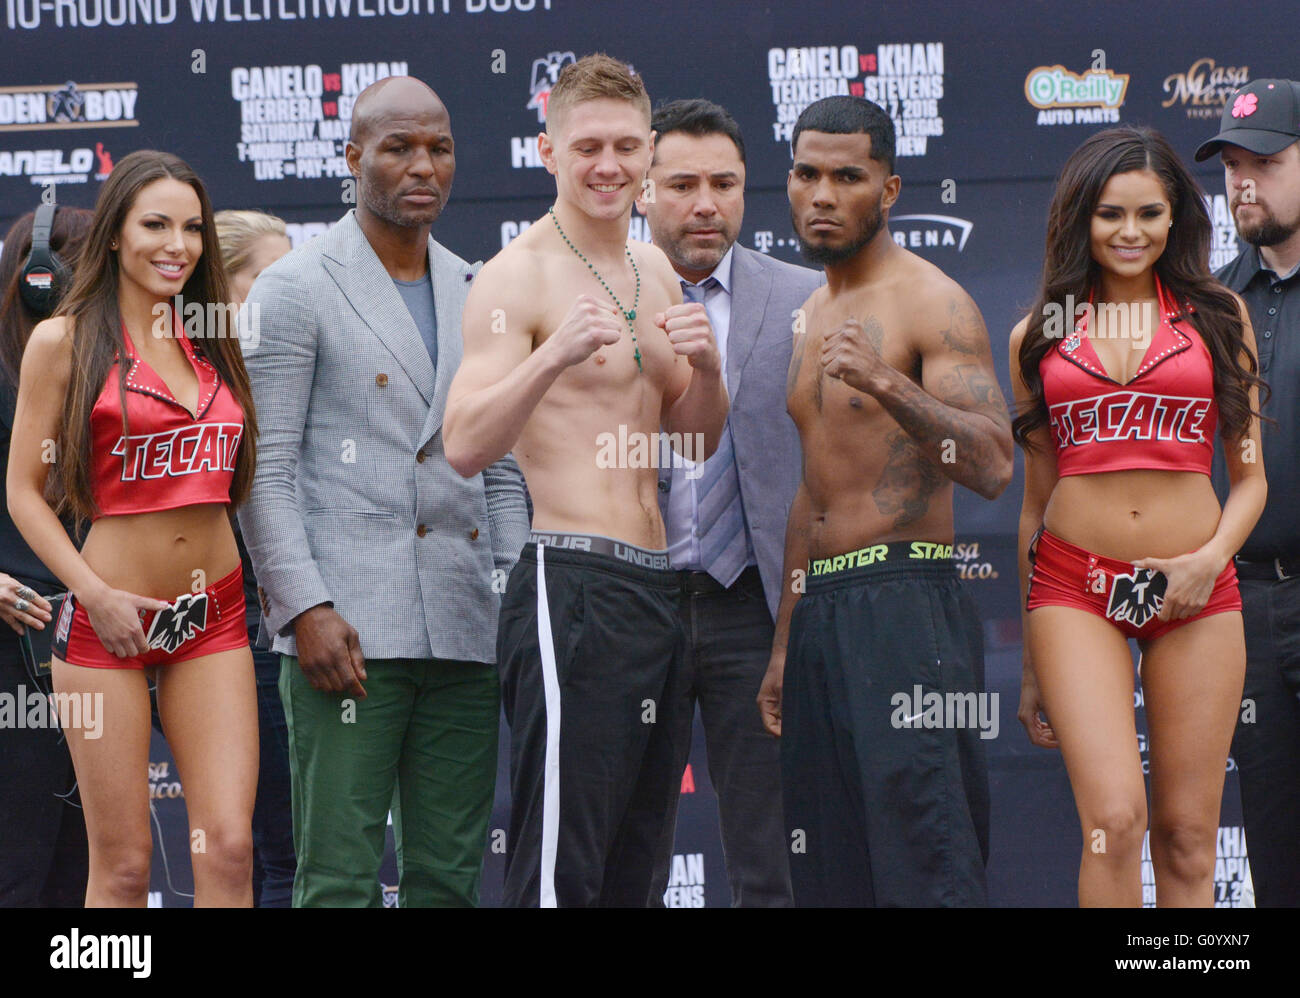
{"x": 945, "y": 313}
{"x": 1018, "y": 335}
{"x": 935, "y": 291}
{"x": 654, "y": 264}
{"x": 515, "y": 276}
{"x": 47, "y": 358}
{"x": 1014, "y": 342}
{"x": 520, "y": 261}
{"x": 50, "y": 342}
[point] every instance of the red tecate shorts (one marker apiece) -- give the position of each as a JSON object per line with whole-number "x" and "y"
{"x": 1063, "y": 574}
{"x": 194, "y": 624}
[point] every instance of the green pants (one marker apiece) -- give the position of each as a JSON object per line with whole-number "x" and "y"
{"x": 423, "y": 741}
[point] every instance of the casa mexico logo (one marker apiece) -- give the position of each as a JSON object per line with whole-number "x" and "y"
{"x": 1203, "y": 91}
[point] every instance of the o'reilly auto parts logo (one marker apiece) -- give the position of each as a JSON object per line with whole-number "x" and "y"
{"x": 1065, "y": 98}
{"x": 930, "y": 231}
{"x": 68, "y": 105}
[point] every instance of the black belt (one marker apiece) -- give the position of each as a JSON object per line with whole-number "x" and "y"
{"x": 702, "y": 583}
{"x": 1274, "y": 571}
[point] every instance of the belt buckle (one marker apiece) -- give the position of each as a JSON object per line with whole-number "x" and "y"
{"x": 1277, "y": 567}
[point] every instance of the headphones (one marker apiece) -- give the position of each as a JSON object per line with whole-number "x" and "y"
{"x": 44, "y": 275}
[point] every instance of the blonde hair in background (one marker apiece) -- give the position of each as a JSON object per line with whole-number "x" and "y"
{"x": 239, "y": 230}
{"x": 591, "y": 78}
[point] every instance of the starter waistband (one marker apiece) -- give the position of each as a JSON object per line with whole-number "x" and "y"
{"x": 897, "y": 552}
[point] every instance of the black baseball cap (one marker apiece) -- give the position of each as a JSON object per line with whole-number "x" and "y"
{"x": 1263, "y": 116}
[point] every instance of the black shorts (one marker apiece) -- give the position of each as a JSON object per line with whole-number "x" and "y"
{"x": 587, "y": 646}
{"x": 883, "y": 763}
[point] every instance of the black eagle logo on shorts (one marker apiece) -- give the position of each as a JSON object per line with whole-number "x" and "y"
{"x": 1138, "y": 597}
{"x": 178, "y": 623}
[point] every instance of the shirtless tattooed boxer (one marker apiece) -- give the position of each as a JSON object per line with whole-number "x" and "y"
{"x": 893, "y": 390}
{"x": 578, "y": 353}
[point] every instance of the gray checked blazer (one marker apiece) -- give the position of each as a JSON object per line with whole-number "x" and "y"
{"x": 764, "y": 296}
{"x": 353, "y": 501}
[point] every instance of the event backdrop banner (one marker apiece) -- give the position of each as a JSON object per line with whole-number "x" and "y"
{"x": 988, "y": 100}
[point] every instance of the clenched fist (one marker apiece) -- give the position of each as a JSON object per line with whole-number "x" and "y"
{"x": 850, "y": 355}
{"x": 691, "y": 336}
{"x": 590, "y": 325}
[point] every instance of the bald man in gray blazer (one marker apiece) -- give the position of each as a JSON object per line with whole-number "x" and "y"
{"x": 379, "y": 567}
{"x": 726, "y": 518}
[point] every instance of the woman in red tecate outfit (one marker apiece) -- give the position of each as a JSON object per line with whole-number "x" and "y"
{"x": 1131, "y": 357}
{"x": 139, "y": 391}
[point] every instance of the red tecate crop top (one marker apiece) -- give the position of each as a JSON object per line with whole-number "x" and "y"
{"x": 1164, "y": 419}
{"x": 175, "y": 458}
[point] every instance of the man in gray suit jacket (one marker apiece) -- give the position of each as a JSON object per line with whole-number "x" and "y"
{"x": 378, "y": 564}
{"x": 726, "y": 518}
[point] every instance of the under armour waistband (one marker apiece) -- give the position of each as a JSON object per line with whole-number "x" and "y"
{"x": 599, "y": 544}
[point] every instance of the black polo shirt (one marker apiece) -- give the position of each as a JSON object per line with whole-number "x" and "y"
{"x": 1274, "y": 306}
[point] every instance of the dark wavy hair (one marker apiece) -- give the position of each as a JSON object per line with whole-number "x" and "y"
{"x": 97, "y": 334}
{"x": 1184, "y": 268}
{"x": 697, "y": 117}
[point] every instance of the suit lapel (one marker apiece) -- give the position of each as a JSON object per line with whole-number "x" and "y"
{"x": 450, "y": 289}
{"x": 365, "y": 283}
{"x": 750, "y": 287}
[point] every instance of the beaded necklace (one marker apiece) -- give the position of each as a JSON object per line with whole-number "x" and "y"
{"x": 628, "y": 315}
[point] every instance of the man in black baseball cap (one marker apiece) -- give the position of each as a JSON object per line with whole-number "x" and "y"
{"x": 1263, "y": 117}
{"x": 1257, "y": 143}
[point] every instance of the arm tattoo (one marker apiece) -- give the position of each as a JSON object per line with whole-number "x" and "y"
{"x": 875, "y": 332}
{"x": 958, "y": 424}
{"x": 964, "y": 328}
{"x": 968, "y": 387}
{"x": 907, "y": 482}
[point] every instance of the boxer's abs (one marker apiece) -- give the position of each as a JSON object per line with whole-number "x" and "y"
{"x": 873, "y": 487}
{"x": 620, "y": 504}
{"x": 593, "y": 468}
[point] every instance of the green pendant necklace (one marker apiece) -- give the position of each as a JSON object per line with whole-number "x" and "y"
{"x": 628, "y": 314}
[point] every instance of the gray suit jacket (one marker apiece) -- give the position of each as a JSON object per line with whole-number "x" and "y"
{"x": 353, "y": 501}
{"x": 764, "y": 295}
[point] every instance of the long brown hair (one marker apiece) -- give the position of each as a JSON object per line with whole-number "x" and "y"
{"x": 97, "y": 335}
{"x": 67, "y": 233}
{"x": 1183, "y": 267}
